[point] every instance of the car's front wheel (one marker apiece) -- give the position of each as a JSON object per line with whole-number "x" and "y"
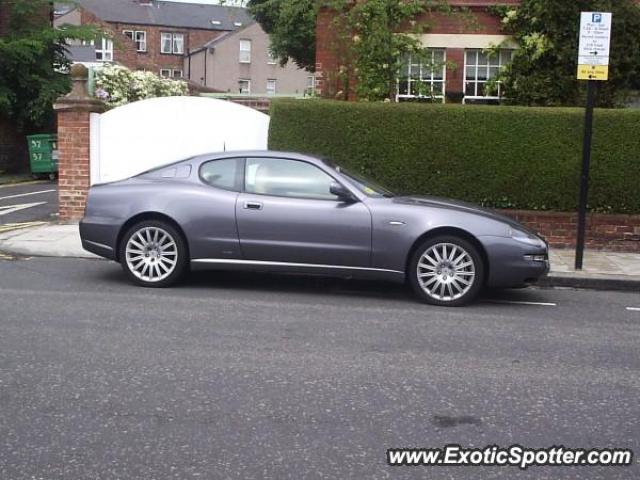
{"x": 153, "y": 254}
{"x": 446, "y": 271}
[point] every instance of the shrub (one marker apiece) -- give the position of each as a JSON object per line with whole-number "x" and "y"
{"x": 117, "y": 85}
{"x": 505, "y": 157}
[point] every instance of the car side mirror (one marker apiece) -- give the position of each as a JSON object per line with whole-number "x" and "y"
{"x": 342, "y": 193}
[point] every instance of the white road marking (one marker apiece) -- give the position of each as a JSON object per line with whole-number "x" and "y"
{"x": 7, "y": 209}
{"x": 27, "y": 194}
{"x": 510, "y": 302}
{"x": 633, "y": 309}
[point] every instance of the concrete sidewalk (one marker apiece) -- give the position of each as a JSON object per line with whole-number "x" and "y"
{"x": 602, "y": 270}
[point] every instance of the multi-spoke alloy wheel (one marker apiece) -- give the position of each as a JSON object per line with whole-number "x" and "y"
{"x": 152, "y": 253}
{"x": 447, "y": 271}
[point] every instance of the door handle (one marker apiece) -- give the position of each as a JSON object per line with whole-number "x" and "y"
{"x": 253, "y": 205}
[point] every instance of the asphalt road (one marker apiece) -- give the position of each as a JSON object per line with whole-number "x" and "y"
{"x": 246, "y": 376}
{"x": 31, "y": 202}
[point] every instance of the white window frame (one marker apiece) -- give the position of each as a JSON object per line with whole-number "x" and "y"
{"x": 271, "y": 59}
{"x": 165, "y": 73}
{"x": 311, "y": 85}
{"x": 176, "y": 45}
{"x": 426, "y": 74}
{"x": 477, "y": 66}
{"x": 104, "y": 50}
{"x": 140, "y": 40}
{"x": 139, "y": 37}
{"x": 177, "y": 74}
{"x": 274, "y": 90}
{"x": 248, "y": 81}
{"x": 245, "y": 53}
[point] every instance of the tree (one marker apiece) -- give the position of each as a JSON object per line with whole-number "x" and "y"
{"x": 543, "y": 71}
{"x": 291, "y": 25}
{"x": 33, "y": 63}
{"x": 374, "y": 38}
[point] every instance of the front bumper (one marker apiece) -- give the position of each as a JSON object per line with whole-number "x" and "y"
{"x": 510, "y": 262}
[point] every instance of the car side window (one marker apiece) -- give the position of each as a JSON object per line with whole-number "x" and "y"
{"x": 224, "y": 173}
{"x": 287, "y": 178}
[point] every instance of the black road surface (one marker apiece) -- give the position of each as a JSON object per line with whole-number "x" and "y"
{"x": 246, "y": 376}
{"x": 19, "y": 204}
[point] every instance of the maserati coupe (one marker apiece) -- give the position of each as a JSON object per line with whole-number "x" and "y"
{"x": 294, "y": 213}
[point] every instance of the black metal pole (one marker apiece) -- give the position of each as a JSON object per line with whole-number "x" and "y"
{"x": 584, "y": 177}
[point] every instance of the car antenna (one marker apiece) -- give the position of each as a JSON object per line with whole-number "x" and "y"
{"x": 224, "y": 146}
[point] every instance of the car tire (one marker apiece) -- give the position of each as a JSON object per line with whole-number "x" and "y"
{"x": 153, "y": 254}
{"x": 446, "y": 271}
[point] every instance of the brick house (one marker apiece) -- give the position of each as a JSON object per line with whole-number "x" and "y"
{"x": 460, "y": 68}
{"x": 239, "y": 62}
{"x": 151, "y": 35}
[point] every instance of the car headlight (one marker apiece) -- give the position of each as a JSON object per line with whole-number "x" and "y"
{"x": 525, "y": 237}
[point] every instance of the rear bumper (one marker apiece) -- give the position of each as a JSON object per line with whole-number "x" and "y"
{"x": 99, "y": 238}
{"x": 509, "y": 267}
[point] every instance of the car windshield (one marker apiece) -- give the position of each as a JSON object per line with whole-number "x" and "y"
{"x": 365, "y": 185}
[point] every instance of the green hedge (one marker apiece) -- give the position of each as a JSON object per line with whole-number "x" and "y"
{"x": 509, "y": 157}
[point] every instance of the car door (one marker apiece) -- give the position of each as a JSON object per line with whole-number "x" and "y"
{"x": 286, "y": 213}
{"x": 210, "y": 217}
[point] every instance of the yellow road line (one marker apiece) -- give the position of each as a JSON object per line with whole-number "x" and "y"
{"x": 18, "y": 184}
{"x": 7, "y": 227}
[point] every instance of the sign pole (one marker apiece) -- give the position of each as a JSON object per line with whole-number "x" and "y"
{"x": 593, "y": 66}
{"x": 584, "y": 177}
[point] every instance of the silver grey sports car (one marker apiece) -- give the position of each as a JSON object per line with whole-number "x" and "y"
{"x": 287, "y": 212}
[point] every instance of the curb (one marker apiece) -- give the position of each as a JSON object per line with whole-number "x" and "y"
{"x": 627, "y": 283}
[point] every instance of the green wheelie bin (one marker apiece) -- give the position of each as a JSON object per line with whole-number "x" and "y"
{"x": 43, "y": 155}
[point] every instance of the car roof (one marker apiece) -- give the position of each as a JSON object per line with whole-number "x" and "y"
{"x": 260, "y": 154}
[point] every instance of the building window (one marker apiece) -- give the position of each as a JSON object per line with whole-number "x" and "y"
{"x": 481, "y": 69}
{"x": 424, "y": 77}
{"x": 271, "y": 58}
{"x": 104, "y": 50}
{"x": 311, "y": 85}
{"x": 139, "y": 37}
{"x": 271, "y": 87}
{"x": 170, "y": 73}
{"x": 244, "y": 86}
{"x": 245, "y": 51}
{"x": 172, "y": 43}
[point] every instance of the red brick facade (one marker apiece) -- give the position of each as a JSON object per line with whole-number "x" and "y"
{"x": 73, "y": 113}
{"x": 125, "y": 52}
{"x": 481, "y": 22}
{"x": 74, "y": 179}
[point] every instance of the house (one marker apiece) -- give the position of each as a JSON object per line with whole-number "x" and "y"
{"x": 151, "y": 35}
{"x": 459, "y": 67}
{"x": 216, "y": 47}
{"x": 239, "y": 62}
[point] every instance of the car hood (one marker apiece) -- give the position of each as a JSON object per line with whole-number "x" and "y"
{"x": 440, "y": 202}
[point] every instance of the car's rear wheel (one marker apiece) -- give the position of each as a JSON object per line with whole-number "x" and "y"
{"x": 446, "y": 271}
{"x": 153, "y": 254}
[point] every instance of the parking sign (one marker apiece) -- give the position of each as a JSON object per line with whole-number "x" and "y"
{"x": 595, "y": 40}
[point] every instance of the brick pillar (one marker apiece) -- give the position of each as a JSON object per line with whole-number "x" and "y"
{"x": 73, "y": 112}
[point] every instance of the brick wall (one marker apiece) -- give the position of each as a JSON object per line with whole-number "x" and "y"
{"x": 152, "y": 60}
{"x": 604, "y": 232}
{"x": 73, "y": 167}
